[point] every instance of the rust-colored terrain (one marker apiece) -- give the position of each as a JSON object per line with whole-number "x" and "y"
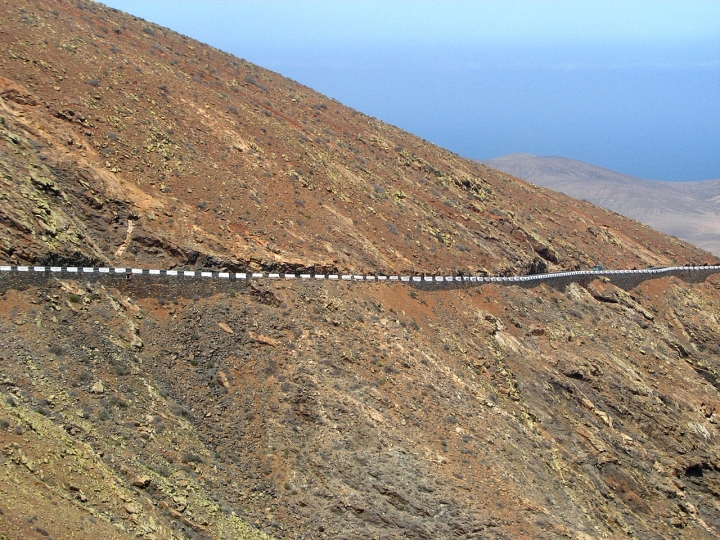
{"x": 317, "y": 410}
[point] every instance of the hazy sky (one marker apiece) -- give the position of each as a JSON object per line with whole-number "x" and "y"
{"x": 633, "y": 86}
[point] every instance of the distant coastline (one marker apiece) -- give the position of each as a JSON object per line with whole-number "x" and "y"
{"x": 687, "y": 210}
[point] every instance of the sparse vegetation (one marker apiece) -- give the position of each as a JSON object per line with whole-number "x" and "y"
{"x": 191, "y": 457}
{"x": 251, "y": 80}
{"x": 324, "y": 398}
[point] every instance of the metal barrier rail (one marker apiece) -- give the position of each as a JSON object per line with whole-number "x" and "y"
{"x": 422, "y": 279}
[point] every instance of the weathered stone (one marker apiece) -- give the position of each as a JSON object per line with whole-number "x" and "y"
{"x": 141, "y": 481}
{"x": 132, "y": 508}
{"x": 225, "y": 328}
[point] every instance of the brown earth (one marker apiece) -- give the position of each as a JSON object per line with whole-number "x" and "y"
{"x": 317, "y": 410}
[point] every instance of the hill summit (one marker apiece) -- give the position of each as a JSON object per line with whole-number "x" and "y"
{"x": 148, "y": 408}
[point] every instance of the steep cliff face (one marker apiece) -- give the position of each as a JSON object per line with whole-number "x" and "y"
{"x": 135, "y": 407}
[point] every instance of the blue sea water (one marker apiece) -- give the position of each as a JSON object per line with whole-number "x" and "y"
{"x": 653, "y": 114}
{"x": 630, "y": 86}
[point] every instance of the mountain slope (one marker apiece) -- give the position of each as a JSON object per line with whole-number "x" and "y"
{"x": 220, "y": 163}
{"x": 198, "y": 409}
{"x": 688, "y": 210}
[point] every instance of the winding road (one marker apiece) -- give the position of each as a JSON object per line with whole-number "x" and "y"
{"x": 417, "y": 280}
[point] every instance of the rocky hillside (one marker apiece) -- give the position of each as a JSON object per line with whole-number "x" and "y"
{"x": 688, "y": 210}
{"x": 138, "y": 408}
